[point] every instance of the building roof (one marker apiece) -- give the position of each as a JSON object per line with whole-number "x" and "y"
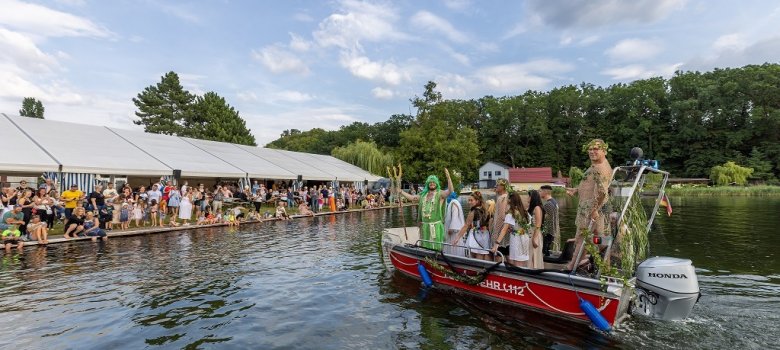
{"x": 496, "y": 163}
{"x": 38, "y": 145}
{"x": 530, "y": 175}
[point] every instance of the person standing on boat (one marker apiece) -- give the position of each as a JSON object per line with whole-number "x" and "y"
{"x": 453, "y": 221}
{"x": 432, "y": 200}
{"x": 497, "y": 217}
{"x": 515, "y": 223}
{"x": 593, "y": 193}
{"x": 478, "y": 239}
{"x": 536, "y": 219}
{"x": 551, "y": 226}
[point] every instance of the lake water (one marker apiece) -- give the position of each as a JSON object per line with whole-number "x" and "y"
{"x": 321, "y": 284}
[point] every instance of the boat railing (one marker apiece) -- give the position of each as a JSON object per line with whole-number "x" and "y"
{"x": 467, "y": 248}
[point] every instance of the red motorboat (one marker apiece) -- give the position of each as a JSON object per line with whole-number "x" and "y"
{"x": 660, "y": 287}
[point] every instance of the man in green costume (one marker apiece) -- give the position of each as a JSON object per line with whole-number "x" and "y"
{"x": 432, "y": 203}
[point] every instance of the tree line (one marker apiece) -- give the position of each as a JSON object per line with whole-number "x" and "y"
{"x": 690, "y": 122}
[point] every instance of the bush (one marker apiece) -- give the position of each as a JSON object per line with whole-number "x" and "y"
{"x": 575, "y": 176}
{"x": 730, "y": 173}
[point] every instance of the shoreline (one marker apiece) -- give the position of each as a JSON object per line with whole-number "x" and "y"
{"x": 154, "y": 230}
{"x": 726, "y": 191}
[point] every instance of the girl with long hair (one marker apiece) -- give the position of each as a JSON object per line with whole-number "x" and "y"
{"x": 478, "y": 239}
{"x": 515, "y": 222}
{"x": 536, "y": 217}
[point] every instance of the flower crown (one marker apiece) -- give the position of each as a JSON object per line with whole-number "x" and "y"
{"x": 596, "y": 143}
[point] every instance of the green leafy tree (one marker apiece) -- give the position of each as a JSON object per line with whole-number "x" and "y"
{"x": 575, "y": 176}
{"x": 32, "y": 108}
{"x": 365, "y": 155}
{"x": 762, "y": 167}
{"x": 165, "y": 108}
{"x": 213, "y": 119}
{"x": 310, "y": 141}
{"x": 730, "y": 173}
{"x": 435, "y": 141}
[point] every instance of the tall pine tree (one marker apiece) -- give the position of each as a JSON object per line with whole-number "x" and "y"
{"x": 32, "y": 108}
{"x": 213, "y": 119}
{"x": 165, "y": 108}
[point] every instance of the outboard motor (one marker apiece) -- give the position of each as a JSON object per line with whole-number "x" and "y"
{"x": 666, "y": 288}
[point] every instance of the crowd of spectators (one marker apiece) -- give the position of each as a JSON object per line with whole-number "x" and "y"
{"x": 30, "y": 213}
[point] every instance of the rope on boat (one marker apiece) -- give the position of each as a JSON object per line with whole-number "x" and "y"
{"x": 454, "y": 274}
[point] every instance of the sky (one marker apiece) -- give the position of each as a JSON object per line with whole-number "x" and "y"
{"x": 307, "y": 64}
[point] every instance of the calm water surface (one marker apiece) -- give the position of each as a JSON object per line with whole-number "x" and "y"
{"x": 321, "y": 284}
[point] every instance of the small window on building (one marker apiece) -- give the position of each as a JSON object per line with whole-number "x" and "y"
{"x": 498, "y": 172}
{"x": 487, "y": 173}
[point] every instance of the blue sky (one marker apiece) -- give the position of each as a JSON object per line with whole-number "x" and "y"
{"x": 306, "y": 64}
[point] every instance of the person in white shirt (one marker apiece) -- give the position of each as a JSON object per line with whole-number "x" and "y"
{"x": 515, "y": 224}
{"x": 453, "y": 222}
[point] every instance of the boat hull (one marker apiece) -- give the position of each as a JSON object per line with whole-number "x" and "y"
{"x": 554, "y": 293}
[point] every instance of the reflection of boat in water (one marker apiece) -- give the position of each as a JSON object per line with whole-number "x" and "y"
{"x": 661, "y": 287}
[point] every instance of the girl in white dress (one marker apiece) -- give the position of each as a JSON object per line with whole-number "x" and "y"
{"x": 478, "y": 239}
{"x": 515, "y": 224}
{"x": 185, "y": 207}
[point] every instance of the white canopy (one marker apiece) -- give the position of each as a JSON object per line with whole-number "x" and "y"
{"x": 37, "y": 145}
{"x": 177, "y": 153}
{"x": 248, "y": 162}
{"x": 20, "y": 153}
{"x": 93, "y": 149}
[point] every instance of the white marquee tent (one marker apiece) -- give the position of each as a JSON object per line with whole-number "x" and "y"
{"x": 37, "y": 145}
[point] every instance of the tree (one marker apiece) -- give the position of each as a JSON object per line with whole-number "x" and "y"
{"x": 165, "y": 108}
{"x": 213, "y": 119}
{"x": 310, "y": 141}
{"x": 32, "y": 108}
{"x": 365, "y": 155}
{"x": 730, "y": 173}
{"x": 435, "y": 141}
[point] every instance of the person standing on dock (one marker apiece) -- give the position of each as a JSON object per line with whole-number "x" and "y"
{"x": 432, "y": 199}
{"x": 593, "y": 193}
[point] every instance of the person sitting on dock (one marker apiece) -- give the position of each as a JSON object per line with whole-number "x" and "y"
{"x": 432, "y": 205}
{"x": 92, "y": 228}
{"x": 281, "y": 212}
{"x": 75, "y": 224}
{"x": 38, "y": 229}
{"x": 303, "y": 209}
{"x": 11, "y": 235}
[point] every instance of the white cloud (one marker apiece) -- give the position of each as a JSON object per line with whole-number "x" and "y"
{"x": 279, "y": 60}
{"x": 71, "y": 2}
{"x": 284, "y": 96}
{"x": 597, "y": 13}
{"x": 358, "y": 21}
{"x": 179, "y": 11}
{"x": 638, "y": 71}
{"x": 512, "y": 78}
{"x": 364, "y": 67}
{"x": 45, "y": 22}
{"x": 22, "y": 55}
{"x": 268, "y": 126}
{"x": 733, "y": 41}
{"x": 436, "y": 24}
{"x": 382, "y": 93}
{"x": 192, "y": 82}
{"x": 458, "y": 5}
{"x": 303, "y": 17}
{"x": 299, "y": 44}
{"x": 628, "y": 50}
{"x": 737, "y": 54}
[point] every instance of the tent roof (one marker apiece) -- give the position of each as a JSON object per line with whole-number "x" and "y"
{"x": 248, "y": 162}
{"x": 84, "y": 148}
{"x": 177, "y": 153}
{"x": 45, "y": 145}
{"x": 21, "y": 153}
{"x": 292, "y": 165}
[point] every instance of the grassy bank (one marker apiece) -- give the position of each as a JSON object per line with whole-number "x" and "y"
{"x": 701, "y": 191}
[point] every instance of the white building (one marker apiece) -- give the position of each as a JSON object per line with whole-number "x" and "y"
{"x": 490, "y": 172}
